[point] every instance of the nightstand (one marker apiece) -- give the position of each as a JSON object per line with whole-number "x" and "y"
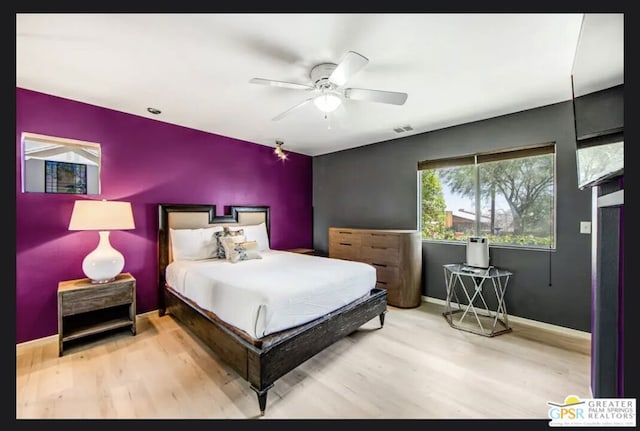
{"x": 85, "y": 308}
{"x": 309, "y": 251}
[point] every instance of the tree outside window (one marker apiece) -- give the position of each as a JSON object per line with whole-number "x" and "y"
{"x": 507, "y": 197}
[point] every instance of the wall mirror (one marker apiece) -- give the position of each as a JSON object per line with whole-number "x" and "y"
{"x": 52, "y": 164}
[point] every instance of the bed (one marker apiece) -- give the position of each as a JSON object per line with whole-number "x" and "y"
{"x": 261, "y": 345}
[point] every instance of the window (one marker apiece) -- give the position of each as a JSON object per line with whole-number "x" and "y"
{"x": 507, "y": 196}
{"x": 62, "y": 177}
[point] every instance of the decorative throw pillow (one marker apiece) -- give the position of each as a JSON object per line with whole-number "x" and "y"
{"x": 228, "y": 242}
{"x": 242, "y": 251}
{"x": 256, "y": 232}
{"x": 226, "y": 232}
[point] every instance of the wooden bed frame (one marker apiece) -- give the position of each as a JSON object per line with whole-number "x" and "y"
{"x": 260, "y": 362}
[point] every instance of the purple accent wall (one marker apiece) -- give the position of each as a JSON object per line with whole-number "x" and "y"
{"x": 145, "y": 162}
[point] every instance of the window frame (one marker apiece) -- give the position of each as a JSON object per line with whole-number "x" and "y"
{"x": 477, "y": 159}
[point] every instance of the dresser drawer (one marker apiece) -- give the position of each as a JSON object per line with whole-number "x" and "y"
{"x": 93, "y": 298}
{"x": 345, "y": 236}
{"x": 380, "y": 240}
{"x": 344, "y": 250}
{"x": 379, "y": 254}
{"x": 393, "y": 291}
{"x": 387, "y": 273}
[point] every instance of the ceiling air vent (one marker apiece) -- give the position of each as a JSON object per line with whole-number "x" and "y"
{"x": 402, "y": 129}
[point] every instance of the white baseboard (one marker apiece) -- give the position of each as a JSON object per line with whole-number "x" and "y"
{"x": 569, "y": 331}
{"x": 49, "y": 339}
{"x": 522, "y": 320}
{"x": 54, "y": 337}
{"x": 148, "y": 313}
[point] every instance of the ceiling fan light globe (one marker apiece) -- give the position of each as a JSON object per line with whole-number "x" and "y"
{"x": 327, "y": 102}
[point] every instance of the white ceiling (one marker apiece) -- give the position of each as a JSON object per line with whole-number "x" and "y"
{"x": 599, "y": 59}
{"x": 196, "y": 68}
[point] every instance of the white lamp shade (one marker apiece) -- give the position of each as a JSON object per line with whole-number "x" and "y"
{"x": 101, "y": 215}
{"x": 327, "y": 102}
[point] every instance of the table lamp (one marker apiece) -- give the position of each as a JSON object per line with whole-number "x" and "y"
{"x": 104, "y": 263}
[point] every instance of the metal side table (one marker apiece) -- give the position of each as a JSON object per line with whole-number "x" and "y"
{"x": 470, "y": 285}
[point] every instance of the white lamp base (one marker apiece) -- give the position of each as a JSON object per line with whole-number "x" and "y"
{"x": 104, "y": 263}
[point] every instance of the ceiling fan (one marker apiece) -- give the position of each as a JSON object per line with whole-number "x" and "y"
{"x": 327, "y": 81}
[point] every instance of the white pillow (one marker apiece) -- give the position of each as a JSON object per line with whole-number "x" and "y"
{"x": 194, "y": 244}
{"x": 255, "y": 232}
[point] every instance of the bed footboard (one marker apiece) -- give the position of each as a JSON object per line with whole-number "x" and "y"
{"x": 262, "y": 366}
{"x": 279, "y": 358}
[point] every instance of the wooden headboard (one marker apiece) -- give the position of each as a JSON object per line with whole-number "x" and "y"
{"x": 188, "y": 216}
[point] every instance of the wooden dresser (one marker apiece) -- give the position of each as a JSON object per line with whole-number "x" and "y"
{"x": 396, "y": 255}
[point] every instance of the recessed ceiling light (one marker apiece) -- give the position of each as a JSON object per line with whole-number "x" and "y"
{"x": 154, "y": 111}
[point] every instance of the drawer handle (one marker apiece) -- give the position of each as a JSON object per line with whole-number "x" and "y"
{"x": 379, "y": 264}
{"x": 349, "y": 233}
{"x": 378, "y": 234}
{"x": 381, "y": 248}
{"x": 345, "y": 243}
{"x": 382, "y": 282}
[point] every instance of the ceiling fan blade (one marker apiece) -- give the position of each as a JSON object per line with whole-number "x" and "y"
{"x": 350, "y": 63}
{"x": 282, "y": 84}
{"x": 380, "y": 96}
{"x": 293, "y": 108}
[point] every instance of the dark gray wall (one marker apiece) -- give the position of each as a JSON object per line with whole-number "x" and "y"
{"x": 376, "y": 186}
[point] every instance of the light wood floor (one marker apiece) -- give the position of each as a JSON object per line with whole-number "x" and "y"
{"x": 415, "y": 367}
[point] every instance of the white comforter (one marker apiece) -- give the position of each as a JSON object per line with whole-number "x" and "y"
{"x": 277, "y": 292}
